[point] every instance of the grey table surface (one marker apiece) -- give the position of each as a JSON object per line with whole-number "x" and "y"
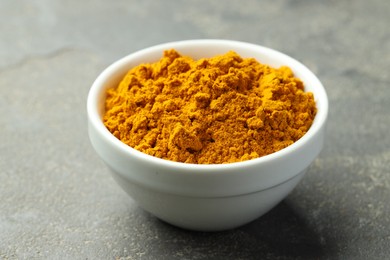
{"x": 57, "y": 198}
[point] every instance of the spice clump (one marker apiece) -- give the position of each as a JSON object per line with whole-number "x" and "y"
{"x": 215, "y": 110}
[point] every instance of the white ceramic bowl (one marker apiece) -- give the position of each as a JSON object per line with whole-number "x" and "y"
{"x": 206, "y": 197}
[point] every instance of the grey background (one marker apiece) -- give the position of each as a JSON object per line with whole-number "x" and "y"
{"x": 57, "y": 198}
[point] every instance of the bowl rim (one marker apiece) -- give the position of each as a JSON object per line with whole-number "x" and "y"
{"x": 98, "y": 86}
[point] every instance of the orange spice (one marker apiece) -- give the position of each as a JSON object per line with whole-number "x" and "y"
{"x": 222, "y": 109}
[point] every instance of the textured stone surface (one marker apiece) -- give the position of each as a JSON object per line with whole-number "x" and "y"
{"x": 57, "y": 199}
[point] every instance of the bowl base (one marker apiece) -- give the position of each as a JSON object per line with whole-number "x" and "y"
{"x": 207, "y": 214}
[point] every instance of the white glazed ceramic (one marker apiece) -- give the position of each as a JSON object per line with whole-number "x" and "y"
{"x": 206, "y": 197}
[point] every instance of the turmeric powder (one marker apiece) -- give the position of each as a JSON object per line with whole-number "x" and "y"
{"x": 222, "y": 109}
